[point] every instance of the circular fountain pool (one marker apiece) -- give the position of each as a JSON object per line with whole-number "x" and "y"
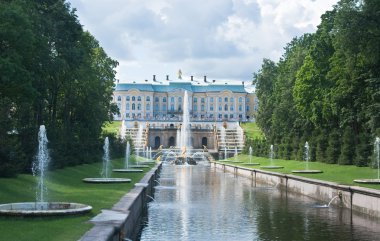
{"x": 106, "y": 180}
{"x": 368, "y": 181}
{"x": 307, "y": 171}
{"x": 43, "y": 209}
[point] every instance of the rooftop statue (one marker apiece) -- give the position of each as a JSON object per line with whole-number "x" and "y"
{"x": 179, "y": 74}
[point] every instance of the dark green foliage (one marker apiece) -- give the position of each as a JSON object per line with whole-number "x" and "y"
{"x": 333, "y": 149}
{"x": 363, "y": 150}
{"x": 324, "y": 83}
{"x": 52, "y": 73}
{"x": 348, "y": 147}
{"x": 321, "y": 141}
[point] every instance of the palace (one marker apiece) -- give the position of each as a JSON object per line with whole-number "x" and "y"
{"x": 163, "y": 100}
{"x": 214, "y": 111}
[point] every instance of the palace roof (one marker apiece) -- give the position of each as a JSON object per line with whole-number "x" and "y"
{"x": 194, "y": 86}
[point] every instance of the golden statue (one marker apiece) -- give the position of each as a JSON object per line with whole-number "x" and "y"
{"x": 183, "y": 154}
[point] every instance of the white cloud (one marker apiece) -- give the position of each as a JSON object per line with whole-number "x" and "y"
{"x": 224, "y": 39}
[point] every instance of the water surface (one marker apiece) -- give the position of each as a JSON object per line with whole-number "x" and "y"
{"x": 204, "y": 203}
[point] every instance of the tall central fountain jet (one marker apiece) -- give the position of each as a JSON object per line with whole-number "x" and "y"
{"x": 185, "y": 128}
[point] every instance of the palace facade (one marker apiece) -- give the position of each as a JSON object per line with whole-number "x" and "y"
{"x": 164, "y": 100}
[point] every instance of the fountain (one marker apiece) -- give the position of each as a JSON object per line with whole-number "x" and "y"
{"x": 376, "y": 151}
{"x": 307, "y": 159}
{"x": 126, "y": 161}
{"x": 236, "y": 156}
{"x": 123, "y": 129}
{"x": 185, "y": 127}
{"x": 222, "y": 142}
{"x": 139, "y": 146}
{"x": 105, "y": 170}
{"x": 250, "y": 158}
{"x": 148, "y": 156}
{"x": 41, "y": 207}
{"x": 271, "y": 157}
{"x": 332, "y": 199}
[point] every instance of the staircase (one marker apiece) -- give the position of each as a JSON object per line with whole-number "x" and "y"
{"x": 138, "y": 142}
{"x": 230, "y": 139}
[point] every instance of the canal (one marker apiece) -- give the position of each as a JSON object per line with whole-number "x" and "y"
{"x": 203, "y": 203}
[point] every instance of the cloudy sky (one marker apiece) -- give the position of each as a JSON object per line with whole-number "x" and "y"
{"x": 223, "y": 39}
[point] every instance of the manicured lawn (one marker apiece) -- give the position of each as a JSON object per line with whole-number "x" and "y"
{"x": 63, "y": 185}
{"x": 252, "y": 130}
{"x": 112, "y": 127}
{"x": 331, "y": 172}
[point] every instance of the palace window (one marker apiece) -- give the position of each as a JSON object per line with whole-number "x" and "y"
{"x": 226, "y": 116}
{"x": 139, "y": 98}
{"x": 172, "y": 99}
{"x": 231, "y": 116}
{"x": 133, "y": 98}
{"x": 179, "y": 108}
{"x": 220, "y": 108}
{"x": 231, "y": 99}
{"x": 195, "y": 100}
{"x": 127, "y": 106}
{"x": 220, "y": 99}
{"x": 212, "y": 99}
{"x": 147, "y": 106}
{"x": 202, "y": 100}
{"x": 179, "y": 99}
{"x": 195, "y": 108}
{"x": 247, "y": 108}
{"x": 247, "y": 100}
{"x": 139, "y": 107}
{"x": 164, "y": 99}
{"x": 127, "y": 115}
{"x": 148, "y": 98}
{"x": 226, "y": 107}
{"x": 240, "y": 99}
{"x": 211, "y": 107}
{"x": 240, "y": 116}
{"x": 231, "y": 107}
{"x": 128, "y": 98}
{"x": 133, "y": 106}
{"x": 220, "y": 116}
{"x": 172, "y": 107}
{"x": 119, "y": 98}
{"x": 163, "y": 107}
{"x": 202, "y": 107}
{"x": 156, "y": 99}
{"x": 240, "y": 107}
{"x": 225, "y": 99}
{"x": 156, "y": 107}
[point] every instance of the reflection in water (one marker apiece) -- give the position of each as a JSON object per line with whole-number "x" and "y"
{"x": 207, "y": 204}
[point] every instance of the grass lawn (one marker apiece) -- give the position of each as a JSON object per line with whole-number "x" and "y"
{"x": 63, "y": 185}
{"x": 112, "y": 127}
{"x": 252, "y": 130}
{"x": 331, "y": 172}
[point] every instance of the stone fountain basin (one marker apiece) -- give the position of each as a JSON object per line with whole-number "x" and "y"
{"x": 43, "y": 209}
{"x": 127, "y": 170}
{"x": 252, "y": 164}
{"x": 147, "y": 162}
{"x": 272, "y": 167}
{"x": 138, "y": 166}
{"x": 307, "y": 171}
{"x": 106, "y": 180}
{"x": 368, "y": 181}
